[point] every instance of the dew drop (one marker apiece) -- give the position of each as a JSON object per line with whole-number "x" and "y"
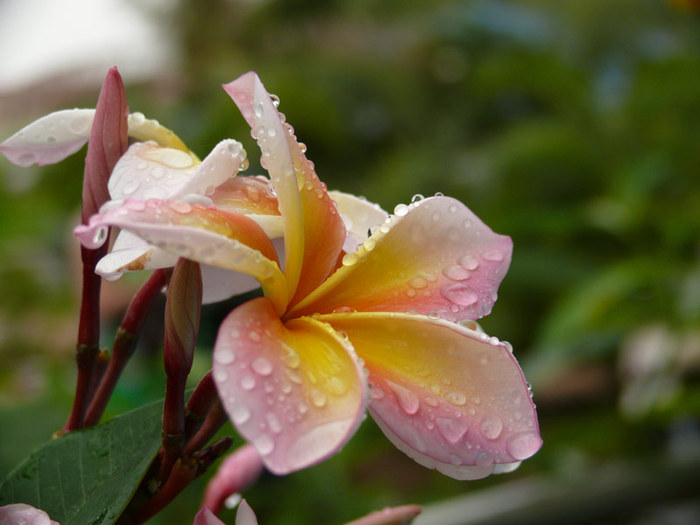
{"x": 261, "y": 366}
{"x": 240, "y": 414}
{"x": 258, "y": 109}
{"x": 220, "y": 375}
{"x": 248, "y": 382}
{"x": 491, "y": 426}
{"x": 336, "y": 386}
{"x": 523, "y": 445}
{"x": 431, "y": 401}
{"x": 26, "y": 159}
{"x": 376, "y": 393}
{"x": 264, "y": 444}
{"x": 418, "y": 283}
{"x": 469, "y": 262}
{"x": 100, "y": 236}
{"x": 318, "y": 398}
{"x": 254, "y": 336}
{"x": 224, "y": 355}
{"x": 400, "y": 210}
{"x": 483, "y": 458}
{"x": 291, "y": 358}
{"x": 408, "y": 401}
{"x": 455, "y": 459}
{"x": 417, "y": 198}
{"x": 275, "y": 100}
{"x": 273, "y": 423}
{"x": 459, "y": 294}
{"x": 451, "y": 429}
{"x": 456, "y": 272}
{"x": 456, "y": 398}
{"x": 350, "y": 259}
{"x": 181, "y": 207}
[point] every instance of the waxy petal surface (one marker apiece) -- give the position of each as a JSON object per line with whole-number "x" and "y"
{"x": 434, "y": 257}
{"x": 295, "y": 391}
{"x": 206, "y": 235}
{"x": 246, "y": 194}
{"x": 360, "y": 217}
{"x": 49, "y": 139}
{"x": 150, "y": 171}
{"x": 451, "y": 398}
{"x": 314, "y": 231}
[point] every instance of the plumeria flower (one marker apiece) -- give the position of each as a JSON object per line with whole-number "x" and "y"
{"x": 158, "y": 165}
{"x": 387, "y": 328}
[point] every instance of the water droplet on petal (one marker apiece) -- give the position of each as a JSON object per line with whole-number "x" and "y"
{"x": 240, "y": 414}
{"x": 376, "y": 393}
{"x": 400, "y": 210}
{"x": 350, "y": 259}
{"x": 469, "y": 262}
{"x": 459, "y": 294}
{"x": 455, "y": 459}
{"x": 275, "y": 100}
{"x": 130, "y": 187}
{"x": 417, "y": 198}
{"x": 408, "y": 401}
{"x": 273, "y": 423}
{"x": 254, "y": 336}
{"x": 318, "y": 398}
{"x": 523, "y": 445}
{"x": 224, "y": 355}
{"x": 456, "y": 272}
{"x": 451, "y": 429}
{"x": 264, "y": 444}
{"x": 181, "y": 207}
{"x": 483, "y": 458}
{"x": 456, "y": 398}
{"x": 418, "y": 283}
{"x": 261, "y": 366}
{"x": 491, "y": 426}
{"x": 248, "y": 382}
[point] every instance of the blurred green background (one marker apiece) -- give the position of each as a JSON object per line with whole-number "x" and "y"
{"x": 572, "y": 126}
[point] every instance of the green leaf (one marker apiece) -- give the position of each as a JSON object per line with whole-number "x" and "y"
{"x": 88, "y": 477}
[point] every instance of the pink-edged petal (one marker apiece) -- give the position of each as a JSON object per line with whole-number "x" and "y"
{"x": 402, "y": 515}
{"x": 130, "y": 253}
{"x": 258, "y": 110}
{"x": 434, "y": 257}
{"x": 49, "y": 139}
{"x": 223, "y": 163}
{"x": 206, "y": 517}
{"x": 316, "y": 235}
{"x": 245, "y": 514}
{"x": 207, "y": 235}
{"x": 237, "y": 472}
{"x": 295, "y": 391}
{"x": 451, "y": 398}
{"x": 246, "y": 194}
{"x": 23, "y": 514}
{"x": 360, "y": 217}
{"x": 149, "y": 171}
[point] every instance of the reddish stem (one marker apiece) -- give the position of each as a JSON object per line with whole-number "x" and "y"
{"x": 88, "y": 336}
{"x": 125, "y": 342}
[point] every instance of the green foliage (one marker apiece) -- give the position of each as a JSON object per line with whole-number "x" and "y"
{"x": 88, "y": 477}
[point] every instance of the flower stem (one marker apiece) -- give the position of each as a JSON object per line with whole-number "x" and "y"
{"x": 88, "y": 336}
{"x": 125, "y": 343}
